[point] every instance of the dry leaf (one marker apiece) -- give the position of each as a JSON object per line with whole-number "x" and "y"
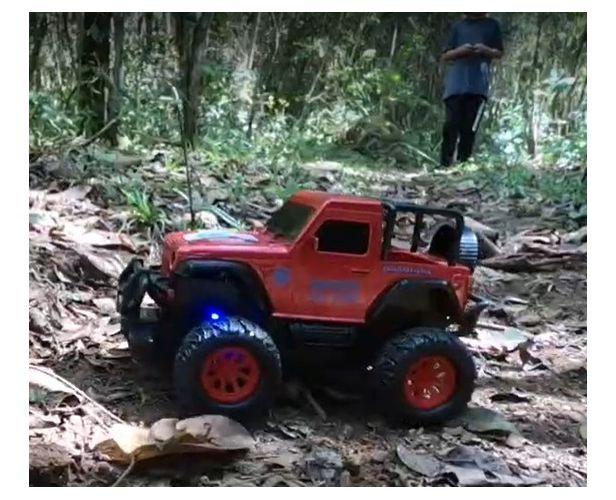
{"x": 422, "y": 463}
{"x": 512, "y": 396}
{"x": 96, "y": 238}
{"x": 99, "y": 265}
{"x": 475, "y": 467}
{"x": 476, "y": 419}
{"x": 40, "y": 377}
{"x": 207, "y": 434}
{"x": 106, "y": 305}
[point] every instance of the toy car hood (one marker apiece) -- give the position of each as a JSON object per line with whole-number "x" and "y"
{"x": 220, "y": 235}
{"x": 213, "y": 242}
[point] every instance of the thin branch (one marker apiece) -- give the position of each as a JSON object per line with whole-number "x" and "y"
{"x": 76, "y": 391}
{"x": 126, "y": 472}
{"x": 317, "y": 407}
{"x": 107, "y": 126}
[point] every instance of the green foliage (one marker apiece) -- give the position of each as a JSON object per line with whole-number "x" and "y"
{"x": 50, "y": 120}
{"x": 144, "y": 212}
{"x": 339, "y": 86}
{"x": 562, "y": 151}
{"x": 525, "y": 181}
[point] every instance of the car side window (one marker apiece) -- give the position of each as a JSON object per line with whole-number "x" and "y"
{"x": 343, "y": 237}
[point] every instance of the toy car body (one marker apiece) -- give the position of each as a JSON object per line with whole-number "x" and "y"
{"x": 320, "y": 288}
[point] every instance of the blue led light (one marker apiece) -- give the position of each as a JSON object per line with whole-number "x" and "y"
{"x": 209, "y": 313}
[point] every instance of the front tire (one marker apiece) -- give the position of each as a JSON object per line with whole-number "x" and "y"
{"x": 228, "y": 366}
{"x": 423, "y": 376}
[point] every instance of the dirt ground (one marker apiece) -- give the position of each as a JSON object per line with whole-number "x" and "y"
{"x": 528, "y": 413}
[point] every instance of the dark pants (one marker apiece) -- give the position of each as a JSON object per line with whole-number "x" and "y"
{"x": 461, "y": 111}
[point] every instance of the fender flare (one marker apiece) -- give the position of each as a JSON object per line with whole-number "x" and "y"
{"x": 237, "y": 275}
{"x": 415, "y": 303}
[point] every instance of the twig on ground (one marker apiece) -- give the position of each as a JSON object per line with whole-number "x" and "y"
{"x": 77, "y": 392}
{"x": 490, "y": 326}
{"x": 107, "y": 126}
{"x": 125, "y": 473}
{"x": 514, "y": 263}
{"x": 316, "y": 406}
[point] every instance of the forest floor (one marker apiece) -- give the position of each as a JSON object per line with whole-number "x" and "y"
{"x": 527, "y": 419}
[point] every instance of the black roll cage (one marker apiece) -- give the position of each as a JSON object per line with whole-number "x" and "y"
{"x": 393, "y": 207}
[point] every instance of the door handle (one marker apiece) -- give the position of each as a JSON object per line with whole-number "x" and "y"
{"x": 356, "y": 270}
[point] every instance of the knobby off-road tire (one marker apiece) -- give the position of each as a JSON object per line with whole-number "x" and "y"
{"x": 413, "y": 348}
{"x": 215, "y": 343}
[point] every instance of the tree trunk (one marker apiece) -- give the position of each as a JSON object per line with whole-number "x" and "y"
{"x": 394, "y": 39}
{"x": 115, "y": 94}
{"x": 38, "y": 30}
{"x": 68, "y": 44}
{"x": 532, "y": 137}
{"x": 148, "y": 19}
{"x": 56, "y": 49}
{"x": 191, "y": 33}
{"x": 257, "y": 84}
{"x": 253, "y": 45}
{"x": 94, "y": 69}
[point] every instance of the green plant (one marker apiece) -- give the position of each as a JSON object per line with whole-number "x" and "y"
{"x": 144, "y": 211}
{"x": 50, "y": 121}
{"x": 525, "y": 180}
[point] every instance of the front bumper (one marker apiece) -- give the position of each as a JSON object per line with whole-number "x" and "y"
{"x": 141, "y": 325}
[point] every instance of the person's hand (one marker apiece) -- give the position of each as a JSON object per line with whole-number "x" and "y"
{"x": 466, "y": 49}
{"x": 482, "y": 49}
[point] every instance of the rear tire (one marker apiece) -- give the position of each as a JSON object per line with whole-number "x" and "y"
{"x": 420, "y": 360}
{"x": 229, "y": 366}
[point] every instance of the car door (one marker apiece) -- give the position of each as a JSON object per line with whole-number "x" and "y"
{"x": 336, "y": 265}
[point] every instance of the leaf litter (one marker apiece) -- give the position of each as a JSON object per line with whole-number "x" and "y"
{"x": 526, "y": 424}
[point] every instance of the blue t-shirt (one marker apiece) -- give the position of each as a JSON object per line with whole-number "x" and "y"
{"x": 471, "y": 75}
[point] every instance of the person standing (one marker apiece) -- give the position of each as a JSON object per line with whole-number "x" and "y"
{"x": 472, "y": 45}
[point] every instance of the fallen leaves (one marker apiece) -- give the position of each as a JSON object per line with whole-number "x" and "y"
{"x": 422, "y": 463}
{"x": 80, "y": 430}
{"x": 79, "y": 235}
{"x": 489, "y": 423}
{"x": 50, "y": 381}
{"x": 48, "y": 464}
{"x": 324, "y": 466}
{"x": 536, "y": 250}
{"x": 477, "y": 419}
{"x": 534, "y": 262}
{"x": 207, "y": 434}
{"x": 77, "y": 247}
{"x": 472, "y": 466}
{"x": 99, "y": 266}
{"x": 498, "y": 341}
{"x": 512, "y": 396}
{"x": 468, "y": 466}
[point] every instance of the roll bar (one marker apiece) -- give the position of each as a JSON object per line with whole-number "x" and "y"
{"x": 393, "y": 207}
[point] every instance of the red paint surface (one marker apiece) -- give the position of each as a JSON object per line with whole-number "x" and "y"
{"x": 368, "y": 273}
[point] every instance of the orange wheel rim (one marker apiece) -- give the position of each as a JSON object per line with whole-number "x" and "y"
{"x": 430, "y": 382}
{"x": 230, "y": 375}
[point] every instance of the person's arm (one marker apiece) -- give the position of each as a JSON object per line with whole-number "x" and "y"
{"x": 452, "y": 50}
{"x": 484, "y": 50}
{"x": 465, "y": 50}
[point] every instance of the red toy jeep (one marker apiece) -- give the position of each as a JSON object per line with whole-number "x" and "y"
{"x": 321, "y": 288}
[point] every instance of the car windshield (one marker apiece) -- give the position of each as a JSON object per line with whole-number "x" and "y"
{"x": 289, "y": 220}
